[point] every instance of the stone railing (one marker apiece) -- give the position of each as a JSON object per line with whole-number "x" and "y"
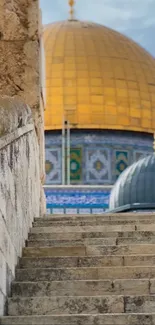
{"x": 20, "y": 186}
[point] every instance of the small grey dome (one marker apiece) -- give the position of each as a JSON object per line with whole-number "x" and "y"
{"x": 136, "y": 185}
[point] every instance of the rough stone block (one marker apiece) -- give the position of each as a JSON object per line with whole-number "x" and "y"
{"x": 63, "y": 305}
{"x": 139, "y": 304}
{"x": 19, "y": 20}
{"x": 20, "y": 74}
{"x": 137, "y": 272}
{"x": 33, "y": 15}
{"x": 121, "y": 250}
{"x": 142, "y": 260}
{"x": 54, "y": 251}
{"x": 131, "y": 286}
{"x": 14, "y": 20}
{"x": 152, "y": 286}
{"x": 131, "y": 240}
{"x": 12, "y": 68}
{"x": 146, "y": 227}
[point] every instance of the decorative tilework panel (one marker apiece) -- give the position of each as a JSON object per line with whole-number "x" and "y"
{"x": 77, "y": 200}
{"x": 121, "y": 161}
{"x": 87, "y": 150}
{"x": 140, "y": 155}
{"x": 97, "y": 166}
{"x": 53, "y": 166}
{"x": 76, "y": 164}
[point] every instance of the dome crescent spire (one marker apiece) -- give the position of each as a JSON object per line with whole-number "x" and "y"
{"x": 71, "y": 4}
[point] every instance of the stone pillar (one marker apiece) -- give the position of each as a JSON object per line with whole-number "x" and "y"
{"x": 20, "y": 34}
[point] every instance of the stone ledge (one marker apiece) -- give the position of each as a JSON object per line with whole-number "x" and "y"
{"x": 6, "y": 140}
{"x": 14, "y": 115}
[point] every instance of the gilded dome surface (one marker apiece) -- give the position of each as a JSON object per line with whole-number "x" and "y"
{"x": 97, "y": 79}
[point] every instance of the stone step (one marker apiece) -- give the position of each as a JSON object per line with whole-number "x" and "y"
{"x": 87, "y": 261}
{"x": 84, "y": 235}
{"x": 66, "y": 305}
{"x": 100, "y": 221}
{"x": 85, "y": 273}
{"x": 140, "y": 304}
{"x": 89, "y": 250}
{"x": 100, "y": 319}
{"x": 89, "y": 241}
{"x": 130, "y": 240}
{"x": 84, "y": 288}
{"x": 80, "y": 305}
{"x": 105, "y": 216}
{"x": 101, "y": 228}
{"x": 54, "y": 251}
{"x": 78, "y": 242}
{"x": 74, "y": 261}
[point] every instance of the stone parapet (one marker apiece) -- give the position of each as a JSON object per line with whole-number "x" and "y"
{"x": 20, "y": 186}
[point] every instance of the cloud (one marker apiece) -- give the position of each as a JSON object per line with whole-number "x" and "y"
{"x": 135, "y": 18}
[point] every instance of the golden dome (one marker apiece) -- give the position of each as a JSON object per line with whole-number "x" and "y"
{"x": 97, "y": 79}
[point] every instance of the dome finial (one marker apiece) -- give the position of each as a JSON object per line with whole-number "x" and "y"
{"x": 71, "y": 4}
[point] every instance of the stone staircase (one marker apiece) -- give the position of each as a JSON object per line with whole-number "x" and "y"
{"x": 86, "y": 270}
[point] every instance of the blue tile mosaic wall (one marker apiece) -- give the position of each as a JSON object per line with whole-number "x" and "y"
{"x": 74, "y": 200}
{"x": 103, "y": 155}
{"x": 121, "y": 161}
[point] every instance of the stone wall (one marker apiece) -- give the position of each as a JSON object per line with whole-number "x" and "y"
{"x": 21, "y": 60}
{"x": 19, "y": 186}
{"x": 19, "y": 50}
{"x": 97, "y": 157}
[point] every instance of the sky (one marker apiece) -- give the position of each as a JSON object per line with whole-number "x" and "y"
{"x": 134, "y": 18}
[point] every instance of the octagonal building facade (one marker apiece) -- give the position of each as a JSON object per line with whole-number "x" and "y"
{"x": 103, "y": 84}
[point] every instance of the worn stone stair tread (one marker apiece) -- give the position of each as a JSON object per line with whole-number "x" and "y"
{"x": 85, "y": 273}
{"x": 83, "y": 287}
{"x": 96, "y": 221}
{"x": 89, "y": 241}
{"x": 101, "y": 222}
{"x": 99, "y": 228}
{"x": 92, "y": 234}
{"x": 106, "y": 216}
{"x": 72, "y": 261}
{"x": 92, "y": 219}
{"x": 54, "y": 251}
{"x": 65, "y": 243}
{"x": 69, "y": 305}
{"x": 131, "y": 240}
{"x": 80, "y": 304}
{"x": 85, "y": 319}
{"x": 86, "y": 261}
{"x": 70, "y": 242}
{"x": 89, "y": 250}
{"x": 70, "y": 229}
